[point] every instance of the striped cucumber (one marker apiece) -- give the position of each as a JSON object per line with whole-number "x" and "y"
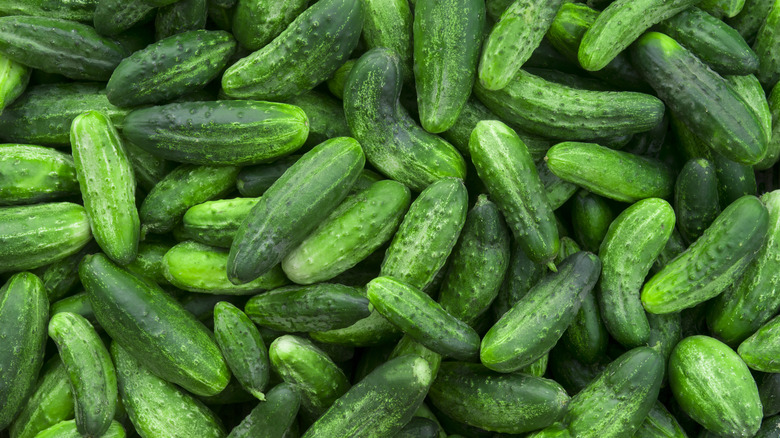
{"x": 272, "y": 417}
{"x": 591, "y": 217}
{"x": 216, "y": 222}
{"x": 180, "y": 17}
{"x": 243, "y": 348}
{"x": 50, "y": 403}
{"x": 13, "y": 80}
{"x": 33, "y": 174}
{"x": 389, "y": 24}
{"x": 257, "y": 22}
{"x": 696, "y": 198}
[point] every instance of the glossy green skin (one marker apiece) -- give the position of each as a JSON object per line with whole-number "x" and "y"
{"x": 182, "y": 188}
{"x": 620, "y": 24}
{"x": 112, "y": 17}
{"x": 507, "y": 169}
{"x": 558, "y": 111}
{"x": 521, "y": 275}
{"x": 696, "y": 198}
{"x": 60, "y": 277}
{"x": 107, "y": 185}
{"x": 227, "y": 132}
{"x": 44, "y": 113}
{"x": 318, "y": 307}
{"x": 243, "y": 348}
{"x": 170, "y": 68}
{"x": 408, "y": 346}
{"x": 557, "y": 190}
{"x": 53, "y": 45}
{"x": 68, "y": 429}
{"x": 591, "y": 216}
{"x": 603, "y": 171}
{"x": 78, "y": 10}
{"x": 478, "y": 264}
{"x": 154, "y": 327}
{"x": 773, "y": 150}
{"x": 325, "y": 114}
{"x": 513, "y": 38}
{"x": 769, "y": 428}
{"x": 49, "y": 404}
{"x": 76, "y": 303}
{"x": 148, "y": 169}
{"x": 255, "y": 180}
{"x": 257, "y": 22}
{"x": 720, "y": 8}
{"x": 751, "y": 17}
{"x": 293, "y": 207}
{"x": 507, "y": 403}
{"x": 326, "y": 33}
{"x": 90, "y": 371}
{"x": 760, "y": 350}
{"x": 447, "y": 42}
{"x": 616, "y": 403}
{"x": 587, "y": 337}
{"x": 628, "y": 251}
{"x": 769, "y": 392}
{"x": 391, "y": 138}
{"x": 388, "y": 23}
{"x": 216, "y": 222}
{"x": 535, "y": 323}
{"x": 157, "y": 407}
{"x": 713, "y": 262}
{"x": 396, "y": 388}
{"x": 36, "y": 235}
{"x": 572, "y": 374}
{"x": 273, "y": 417}
{"x": 419, "y": 316}
{"x": 712, "y": 109}
{"x": 665, "y": 332}
{"x": 33, "y": 174}
{"x": 371, "y": 330}
{"x": 659, "y": 423}
{"x": 735, "y": 180}
{"x": 354, "y": 230}
{"x": 750, "y": 90}
{"x": 714, "y": 387}
{"x": 313, "y": 374}
{"x": 149, "y": 261}
{"x": 13, "y": 80}
{"x": 180, "y": 17}
{"x": 24, "y": 312}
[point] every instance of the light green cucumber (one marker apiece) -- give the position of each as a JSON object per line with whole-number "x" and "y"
{"x": 31, "y": 174}
{"x": 13, "y": 80}
{"x": 388, "y": 23}
{"x": 216, "y": 222}
{"x": 69, "y": 429}
{"x": 243, "y": 348}
{"x": 50, "y": 403}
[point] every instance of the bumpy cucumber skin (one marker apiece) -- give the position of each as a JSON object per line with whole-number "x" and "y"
{"x": 707, "y": 104}
{"x": 216, "y": 222}
{"x": 766, "y": 48}
{"x": 407, "y": 345}
{"x": 255, "y": 180}
{"x": 180, "y": 17}
{"x": 49, "y": 404}
{"x": 13, "y": 80}
{"x": 557, "y": 111}
{"x": 749, "y": 88}
{"x": 326, "y": 32}
{"x": 696, "y": 198}
{"x": 59, "y": 229}
{"x": 396, "y": 388}
{"x": 760, "y": 350}
{"x": 112, "y": 17}
{"x": 632, "y": 244}
{"x": 388, "y": 23}
{"x": 135, "y": 311}
{"x": 90, "y": 371}
{"x": 76, "y": 303}
{"x": 243, "y": 348}
{"x": 325, "y": 114}
{"x": 24, "y": 311}
{"x": 32, "y": 174}
{"x": 722, "y": 8}
{"x": 522, "y": 274}
{"x": 507, "y": 169}
{"x": 591, "y": 216}
{"x": 394, "y": 143}
{"x": 157, "y": 407}
{"x": 533, "y": 325}
{"x": 714, "y": 386}
{"x": 507, "y": 403}
{"x": 272, "y": 417}
{"x": 77, "y": 10}
{"x": 257, "y": 22}
{"x": 711, "y": 263}
{"x": 369, "y": 331}
{"x": 429, "y": 231}
{"x": 294, "y": 205}
{"x": 59, "y": 46}
{"x": 660, "y": 423}
{"x": 751, "y": 17}
{"x": 354, "y": 230}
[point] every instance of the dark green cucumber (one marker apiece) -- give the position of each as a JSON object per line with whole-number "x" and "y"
{"x": 33, "y": 174}
{"x": 591, "y": 216}
{"x": 326, "y": 33}
{"x": 24, "y": 311}
{"x": 735, "y": 180}
{"x": 272, "y": 417}
{"x": 659, "y": 423}
{"x": 369, "y": 331}
{"x": 149, "y": 261}
{"x": 696, "y": 198}
{"x": 77, "y": 303}
{"x": 36, "y": 235}
{"x": 293, "y": 207}
{"x": 14, "y": 78}
{"x": 243, "y": 348}
{"x": 255, "y": 180}
{"x": 533, "y": 325}
{"x": 749, "y": 88}
{"x": 49, "y": 404}
{"x": 722, "y": 8}
{"x": 408, "y": 346}
{"x": 711, "y": 263}
{"x": 112, "y": 17}
{"x": 90, "y": 371}
{"x": 769, "y": 428}
{"x": 769, "y": 393}
{"x": 557, "y": 190}
{"x": 714, "y": 387}
{"x": 773, "y": 151}
{"x": 148, "y": 169}
{"x": 257, "y": 22}
{"x": 180, "y": 17}
{"x": 389, "y": 24}
{"x": 77, "y": 10}
{"x": 136, "y": 312}
{"x": 766, "y": 48}
{"x": 760, "y": 350}
{"x": 216, "y": 222}
{"x": 507, "y": 169}
{"x": 317, "y": 307}
{"x": 570, "y": 372}
{"x": 419, "y": 427}
{"x": 522, "y": 274}
{"x": 751, "y": 17}
{"x": 587, "y": 337}
{"x": 60, "y": 277}
{"x": 325, "y": 114}
{"x": 665, "y": 332}
{"x": 390, "y": 137}
{"x": 338, "y": 81}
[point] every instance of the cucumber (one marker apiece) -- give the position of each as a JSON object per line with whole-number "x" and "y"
{"x": 760, "y": 350}
{"x": 243, "y": 348}
{"x": 522, "y": 274}
{"x": 135, "y": 311}
{"x": 68, "y": 429}
{"x": 272, "y": 417}
{"x": 149, "y": 261}
{"x": 90, "y": 371}
{"x": 557, "y": 190}
{"x": 557, "y": 430}
{"x": 389, "y": 24}
{"x": 766, "y": 48}
{"x": 633, "y": 242}
{"x": 77, "y": 303}
{"x": 24, "y": 312}
{"x": 221, "y": 15}
{"x": 769, "y": 392}
{"x": 720, "y": 8}
{"x": 183, "y": 187}
{"x": 257, "y": 22}
{"x": 557, "y": 111}
{"x": 591, "y": 217}
{"x": 769, "y": 428}
{"x": 33, "y": 174}
{"x": 322, "y": 36}
{"x": 170, "y": 68}
{"x": 147, "y": 168}
{"x": 60, "y": 277}
{"x": 714, "y": 387}
{"x": 196, "y": 267}
{"x": 533, "y": 325}
{"x": 428, "y": 233}
{"x": 665, "y": 332}
{"x": 113, "y": 17}
{"x": 735, "y": 180}
{"x": 616, "y": 403}
{"x": 603, "y": 171}
{"x": 227, "y": 132}
{"x": 390, "y": 137}
{"x": 419, "y": 316}
{"x": 157, "y": 407}
{"x": 369, "y": 331}
{"x": 396, "y": 388}
{"x": 337, "y": 82}
{"x": 587, "y": 337}
{"x": 696, "y": 198}
{"x": 711, "y": 263}
{"x": 419, "y": 427}
{"x": 620, "y": 24}
{"x": 294, "y": 205}
{"x": 408, "y": 346}
{"x": 317, "y": 307}
{"x": 216, "y": 222}
{"x": 660, "y": 423}
{"x": 50, "y": 403}
{"x": 751, "y": 17}
{"x": 325, "y": 114}
{"x": 77, "y": 10}
{"x": 712, "y": 108}
{"x": 255, "y": 180}
{"x": 180, "y": 17}
{"x": 13, "y": 81}
{"x": 447, "y": 41}
{"x": 65, "y": 47}
{"x": 354, "y": 230}
{"x": 570, "y": 372}
{"x": 773, "y": 150}
{"x": 507, "y": 169}
{"x": 749, "y": 89}
{"x": 36, "y": 235}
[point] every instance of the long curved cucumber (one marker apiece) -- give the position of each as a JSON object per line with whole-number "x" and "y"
{"x": 243, "y": 348}
{"x": 32, "y": 174}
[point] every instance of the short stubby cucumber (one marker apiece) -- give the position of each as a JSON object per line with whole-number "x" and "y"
{"x": 32, "y": 174}
{"x": 216, "y": 222}
{"x": 243, "y": 348}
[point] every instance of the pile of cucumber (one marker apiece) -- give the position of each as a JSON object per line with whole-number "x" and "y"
{"x": 389, "y": 218}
